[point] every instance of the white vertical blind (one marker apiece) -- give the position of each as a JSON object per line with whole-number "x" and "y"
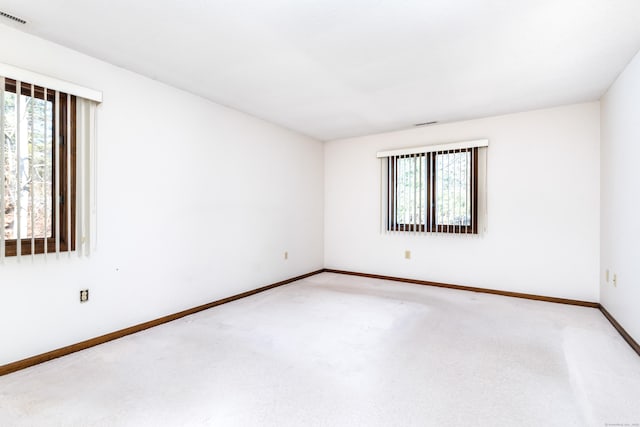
{"x": 56, "y": 127}
{"x": 389, "y": 195}
{"x": 46, "y": 173}
{"x": 67, "y": 199}
{"x": 32, "y": 172}
{"x": 86, "y": 160}
{"x": 431, "y": 189}
{"x": 80, "y": 167}
{"x": 473, "y": 202}
{"x": 91, "y": 209}
{"x": 17, "y": 215}
{"x": 37, "y": 165}
{"x": 2, "y": 166}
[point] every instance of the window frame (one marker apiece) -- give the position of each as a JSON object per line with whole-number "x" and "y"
{"x": 430, "y": 172}
{"x": 67, "y": 192}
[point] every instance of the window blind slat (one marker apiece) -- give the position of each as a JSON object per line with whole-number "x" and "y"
{"x": 91, "y": 177}
{"x": 400, "y": 195}
{"x": 427, "y": 159}
{"x": 420, "y": 202}
{"x": 80, "y": 163}
{"x": 18, "y": 212}
{"x": 473, "y": 184}
{"x": 394, "y": 163}
{"x": 57, "y": 129}
{"x": 31, "y": 174}
{"x": 467, "y": 181}
{"x": 67, "y": 201}
{"x": 431, "y": 195}
{"x": 450, "y": 188}
{"x": 404, "y": 193}
{"x": 2, "y": 155}
{"x": 400, "y": 187}
{"x": 415, "y": 184}
{"x": 390, "y": 196}
{"x": 45, "y": 173}
{"x": 456, "y": 188}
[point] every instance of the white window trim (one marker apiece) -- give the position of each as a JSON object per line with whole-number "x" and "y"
{"x": 20, "y": 74}
{"x": 435, "y": 147}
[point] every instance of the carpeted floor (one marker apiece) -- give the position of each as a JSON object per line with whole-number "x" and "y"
{"x": 336, "y": 350}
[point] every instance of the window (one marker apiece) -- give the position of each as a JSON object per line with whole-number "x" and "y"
{"x": 432, "y": 189}
{"x": 38, "y": 175}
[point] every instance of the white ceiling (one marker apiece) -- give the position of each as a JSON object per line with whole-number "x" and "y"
{"x": 339, "y": 68}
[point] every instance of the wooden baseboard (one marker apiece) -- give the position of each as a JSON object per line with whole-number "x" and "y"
{"x": 470, "y": 288}
{"x": 34, "y": 360}
{"x": 628, "y": 338}
{"x": 31, "y": 361}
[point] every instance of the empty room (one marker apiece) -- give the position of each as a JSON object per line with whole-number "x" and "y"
{"x": 319, "y": 213}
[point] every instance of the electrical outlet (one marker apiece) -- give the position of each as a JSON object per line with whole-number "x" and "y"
{"x": 407, "y": 254}
{"x": 286, "y": 255}
{"x": 84, "y": 295}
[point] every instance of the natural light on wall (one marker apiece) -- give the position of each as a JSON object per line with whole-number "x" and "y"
{"x": 434, "y": 189}
{"x": 47, "y": 165}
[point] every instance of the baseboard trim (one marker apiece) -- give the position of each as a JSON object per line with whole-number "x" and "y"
{"x": 625, "y": 335}
{"x": 54, "y": 354}
{"x": 628, "y": 338}
{"x": 470, "y": 288}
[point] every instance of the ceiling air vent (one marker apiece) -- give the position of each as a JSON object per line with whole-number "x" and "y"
{"x": 13, "y": 18}
{"x": 426, "y": 123}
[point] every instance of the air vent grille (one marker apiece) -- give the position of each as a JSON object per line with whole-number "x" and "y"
{"x": 13, "y": 18}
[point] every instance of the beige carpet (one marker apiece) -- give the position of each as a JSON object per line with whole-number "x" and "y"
{"x": 335, "y": 350}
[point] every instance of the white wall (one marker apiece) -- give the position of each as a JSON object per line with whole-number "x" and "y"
{"x": 620, "y": 186}
{"x": 543, "y": 206}
{"x": 196, "y": 202}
